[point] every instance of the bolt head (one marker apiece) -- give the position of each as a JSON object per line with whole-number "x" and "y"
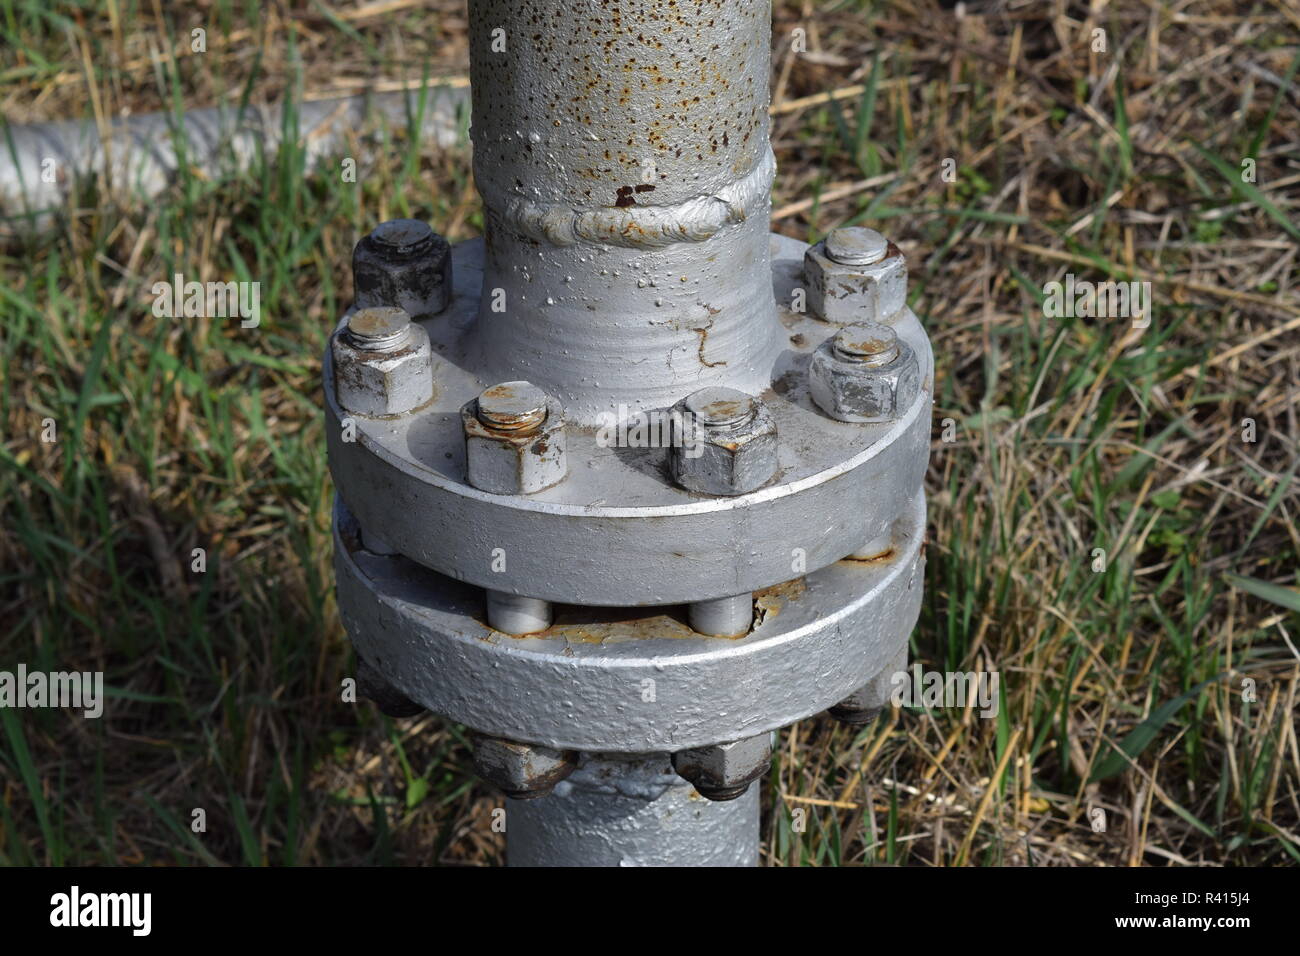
{"x": 523, "y": 771}
{"x": 725, "y": 771}
{"x": 404, "y": 264}
{"x": 517, "y": 460}
{"x": 393, "y": 380}
{"x": 736, "y": 454}
{"x": 848, "y": 292}
{"x": 864, "y": 389}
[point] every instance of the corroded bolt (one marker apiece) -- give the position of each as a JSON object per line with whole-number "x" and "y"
{"x": 720, "y": 408}
{"x": 864, "y": 373}
{"x": 725, "y": 771}
{"x": 856, "y": 246}
{"x": 855, "y": 275}
{"x": 514, "y": 440}
{"x": 732, "y": 448}
{"x": 383, "y": 363}
{"x": 523, "y": 771}
{"x": 381, "y": 329}
{"x": 512, "y": 407}
{"x": 867, "y": 343}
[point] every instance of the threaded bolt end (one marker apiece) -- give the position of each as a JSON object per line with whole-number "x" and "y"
{"x": 512, "y": 406}
{"x": 403, "y": 238}
{"x": 380, "y": 329}
{"x": 867, "y": 343}
{"x": 721, "y": 408}
{"x": 856, "y": 246}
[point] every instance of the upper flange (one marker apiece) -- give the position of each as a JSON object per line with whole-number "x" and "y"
{"x": 617, "y": 531}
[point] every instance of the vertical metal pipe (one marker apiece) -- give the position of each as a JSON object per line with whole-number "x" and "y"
{"x": 623, "y": 157}
{"x": 622, "y": 153}
{"x": 631, "y": 811}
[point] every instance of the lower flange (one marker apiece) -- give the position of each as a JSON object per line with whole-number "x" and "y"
{"x": 635, "y": 681}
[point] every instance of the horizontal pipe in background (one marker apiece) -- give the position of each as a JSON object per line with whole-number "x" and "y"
{"x": 41, "y": 164}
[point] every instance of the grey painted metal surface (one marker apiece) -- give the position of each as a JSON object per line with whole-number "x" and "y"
{"x": 631, "y": 812}
{"x": 631, "y": 684}
{"x": 632, "y": 604}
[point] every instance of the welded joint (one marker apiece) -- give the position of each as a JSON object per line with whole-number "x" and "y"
{"x": 649, "y": 226}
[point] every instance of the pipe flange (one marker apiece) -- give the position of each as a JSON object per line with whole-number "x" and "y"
{"x": 618, "y": 531}
{"x": 621, "y": 684}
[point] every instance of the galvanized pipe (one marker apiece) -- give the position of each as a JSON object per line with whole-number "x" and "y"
{"x": 622, "y": 154}
{"x": 137, "y": 157}
{"x": 631, "y": 812}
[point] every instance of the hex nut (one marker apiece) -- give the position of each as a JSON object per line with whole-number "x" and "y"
{"x": 521, "y": 461}
{"x": 851, "y": 390}
{"x": 725, "y": 771}
{"x": 390, "y": 701}
{"x": 860, "y": 708}
{"x": 522, "y": 771}
{"x": 865, "y": 704}
{"x": 404, "y": 264}
{"x": 842, "y": 293}
{"x": 729, "y": 455}
{"x": 391, "y": 380}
